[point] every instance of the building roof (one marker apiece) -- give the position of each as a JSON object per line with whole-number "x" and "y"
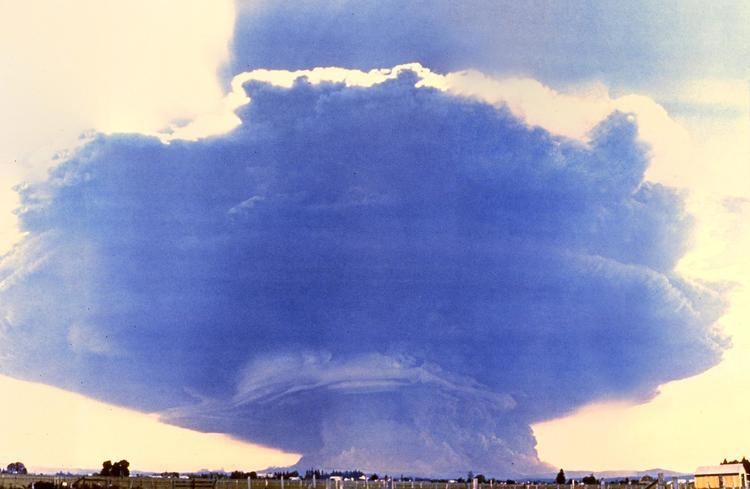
{"x": 720, "y": 469}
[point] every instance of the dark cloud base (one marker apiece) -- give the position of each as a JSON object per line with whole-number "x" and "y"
{"x": 387, "y": 278}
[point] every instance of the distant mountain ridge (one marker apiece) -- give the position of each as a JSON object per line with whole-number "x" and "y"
{"x": 57, "y": 470}
{"x": 621, "y": 474}
{"x": 570, "y": 474}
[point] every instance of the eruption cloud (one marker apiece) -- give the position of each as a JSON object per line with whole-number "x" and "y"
{"x": 386, "y": 277}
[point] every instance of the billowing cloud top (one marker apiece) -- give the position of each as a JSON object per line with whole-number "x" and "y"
{"x": 388, "y": 277}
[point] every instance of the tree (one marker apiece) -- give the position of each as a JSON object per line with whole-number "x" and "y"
{"x": 590, "y": 479}
{"x": 374, "y": 477}
{"x": 560, "y": 479}
{"x": 121, "y": 469}
{"x": 481, "y": 479}
{"x": 17, "y": 468}
{"x": 745, "y": 463}
{"x": 117, "y": 469}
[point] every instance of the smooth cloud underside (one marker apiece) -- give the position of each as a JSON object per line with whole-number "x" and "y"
{"x": 390, "y": 278}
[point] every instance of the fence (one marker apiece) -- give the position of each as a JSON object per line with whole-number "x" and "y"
{"x": 8, "y": 481}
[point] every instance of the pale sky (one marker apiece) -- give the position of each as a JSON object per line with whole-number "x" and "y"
{"x": 73, "y": 68}
{"x": 686, "y": 425}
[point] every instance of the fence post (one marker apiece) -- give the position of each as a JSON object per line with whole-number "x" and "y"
{"x": 282, "y": 482}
